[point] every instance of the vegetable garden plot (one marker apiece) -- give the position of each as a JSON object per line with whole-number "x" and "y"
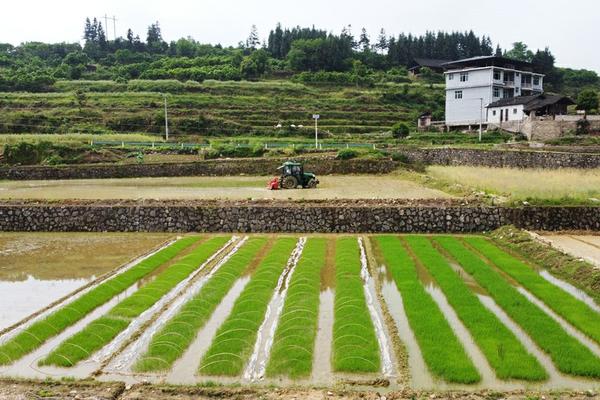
{"x": 294, "y": 341}
{"x": 441, "y": 349}
{"x": 505, "y": 353}
{"x": 173, "y": 339}
{"x": 355, "y": 345}
{"x": 39, "y": 332}
{"x": 567, "y": 353}
{"x": 233, "y": 343}
{"x": 576, "y": 312}
{"x": 103, "y": 330}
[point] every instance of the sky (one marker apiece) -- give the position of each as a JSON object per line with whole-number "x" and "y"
{"x": 570, "y": 29}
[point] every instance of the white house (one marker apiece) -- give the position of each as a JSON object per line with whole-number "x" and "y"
{"x": 517, "y": 108}
{"x": 474, "y": 83}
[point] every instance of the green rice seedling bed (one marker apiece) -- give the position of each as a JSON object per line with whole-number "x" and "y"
{"x": 355, "y": 346}
{"x": 573, "y": 310}
{"x": 39, "y": 332}
{"x": 234, "y": 341}
{"x": 180, "y": 331}
{"x": 443, "y": 353}
{"x": 294, "y": 342}
{"x": 567, "y": 353}
{"x": 101, "y": 331}
{"x": 505, "y": 353}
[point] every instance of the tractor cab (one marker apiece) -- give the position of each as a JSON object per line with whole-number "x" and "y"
{"x": 292, "y": 175}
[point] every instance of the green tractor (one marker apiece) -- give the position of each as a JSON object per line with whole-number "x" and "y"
{"x": 292, "y": 176}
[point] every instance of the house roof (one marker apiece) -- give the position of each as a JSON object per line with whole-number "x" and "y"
{"x": 429, "y": 62}
{"x": 534, "y": 102}
{"x": 489, "y": 61}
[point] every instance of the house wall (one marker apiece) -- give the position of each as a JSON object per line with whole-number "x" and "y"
{"x": 467, "y": 111}
{"x": 515, "y": 113}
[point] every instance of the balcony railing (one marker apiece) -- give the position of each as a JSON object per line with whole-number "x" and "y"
{"x": 509, "y": 83}
{"x": 526, "y": 85}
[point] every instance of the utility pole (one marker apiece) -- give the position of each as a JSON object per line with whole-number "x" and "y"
{"x": 316, "y": 118}
{"x": 114, "y": 20}
{"x": 481, "y": 118}
{"x": 166, "y": 119}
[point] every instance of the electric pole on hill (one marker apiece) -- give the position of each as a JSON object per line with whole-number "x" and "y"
{"x": 114, "y": 21}
{"x": 166, "y": 119}
{"x": 316, "y": 118}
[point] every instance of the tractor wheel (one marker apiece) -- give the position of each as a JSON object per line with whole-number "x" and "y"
{"x": 311, "y": 184}
{"x": 289, "y": 182}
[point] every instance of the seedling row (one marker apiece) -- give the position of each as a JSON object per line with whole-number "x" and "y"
{"x": 280, "y": 307}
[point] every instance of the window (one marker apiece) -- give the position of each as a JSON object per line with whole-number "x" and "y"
{"x": 494, "y": 113}
{"x": 450, "y": 77}
{"x": 536, "y": 80}
{"x": 464, "y": 76}
{"x": 514, "y": 110}
{"x": 517, "y": 90}
{"x": 458, "y": 94}
{"x": 497, "y": 75}
{"x": 496, "y": 92}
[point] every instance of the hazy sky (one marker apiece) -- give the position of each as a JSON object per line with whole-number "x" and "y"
{"x": 571, "y": 29}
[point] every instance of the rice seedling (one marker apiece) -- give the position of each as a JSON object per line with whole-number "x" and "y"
{"x": 443, "y": 353}
{"x": 172, "y": 340}
{"x": 355, "y": 346}
{"x": 567, "y": 353}
{"x": 573, "y": 310}
{"x": 505, "y": 353}
{"x": 233, "y": 342}
{"x": 101, "y": 331}
{"x": 293, "y": 345}
{"x": 39, "y": 332}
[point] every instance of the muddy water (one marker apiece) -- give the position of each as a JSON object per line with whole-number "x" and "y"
{"x": 587, "y": 342}
{"x": 572, "y": 290}
{"x": 257, "y": 364}
{"x": 37, "y": 269}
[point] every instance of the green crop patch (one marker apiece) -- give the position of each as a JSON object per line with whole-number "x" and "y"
{"x": 441, "y": 349}
{"x": 573, "y": 310}
{"x": 101, "y": 331}
{"x": 505, "y": 353}
{"x": 355, "y": 346}
{"x": 39, "y": 332}
{"x": 233, "y": 342}
{"x": 567, "y": 353}
{"x": 180, "y": 331}
{"x": 293, "y": 345}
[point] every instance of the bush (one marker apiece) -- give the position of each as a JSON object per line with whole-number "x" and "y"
{"x": 400, "y": 157}
{"x": 400, "y": 130}
{"x": 164, "y": 85}
{"x": 346, "y": 154}
{"x": 583, "y": 127}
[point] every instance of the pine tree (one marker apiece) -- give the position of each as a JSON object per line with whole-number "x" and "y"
{"x": 130, "y": 36}
{"x": 364, "y": 42}
{"x": 498, "y": 51}
{"x": 87, "y": 30}
{"x": 382, "y": 41}
{"x": 101, "y": 36}
{"x": 253, "y": 41}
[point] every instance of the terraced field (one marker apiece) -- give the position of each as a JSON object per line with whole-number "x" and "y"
{"x": 461, "y": 311}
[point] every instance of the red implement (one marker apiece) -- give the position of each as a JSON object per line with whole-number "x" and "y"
{"x": 274, "y": 184}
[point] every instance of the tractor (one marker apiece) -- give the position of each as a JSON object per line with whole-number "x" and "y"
{"x": 292, "y": 176}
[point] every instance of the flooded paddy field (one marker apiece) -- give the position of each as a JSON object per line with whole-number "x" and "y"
{"x": 389, "y": 311}
{"x": 235, "y": 188}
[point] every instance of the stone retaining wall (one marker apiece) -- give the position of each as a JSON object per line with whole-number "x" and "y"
{"x": 299, "y": 218}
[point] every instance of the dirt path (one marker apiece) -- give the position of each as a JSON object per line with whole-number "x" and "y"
{"x": 580, "y": 246}
{"x": 235, "y": 188}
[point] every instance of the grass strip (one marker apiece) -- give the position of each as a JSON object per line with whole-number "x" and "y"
{"x": 104, "y": 329}
{"x": 172, "y": 340}
{"x": 234, "y": 341}
{"x": 39, "y": 332}
{"x": 505, "y": 353}
{"x": 355, "y": 346}
{"x": 294, "y": 342}
{"x": 564, "y": 304}
{"x": 567, "y": 353}
{"x": 444, "y": 354}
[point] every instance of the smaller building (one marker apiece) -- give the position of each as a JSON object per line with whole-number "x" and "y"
{"x": 518, "y": 108}
{"x": 424, "y": 121}
{"x": 435, "y": 65}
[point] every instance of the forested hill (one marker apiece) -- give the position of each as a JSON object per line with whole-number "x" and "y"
{"x": 305, "y": 55}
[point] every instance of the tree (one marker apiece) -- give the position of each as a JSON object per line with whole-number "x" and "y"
{"x": 498, "y": 51}
{"x": 364, "y": 42}
{"x": 382, "y": 41}
{"x": 255, "y": 64}
{"x": 253, "y": 41}
{"x": 185, "y": 47}
{"x": 587, "y": 100}
{"x": 154, "y": 39}
{"x": 400, "y": 130}
{"x": 520, "y": 52}
{"x": 130, "y": 37}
